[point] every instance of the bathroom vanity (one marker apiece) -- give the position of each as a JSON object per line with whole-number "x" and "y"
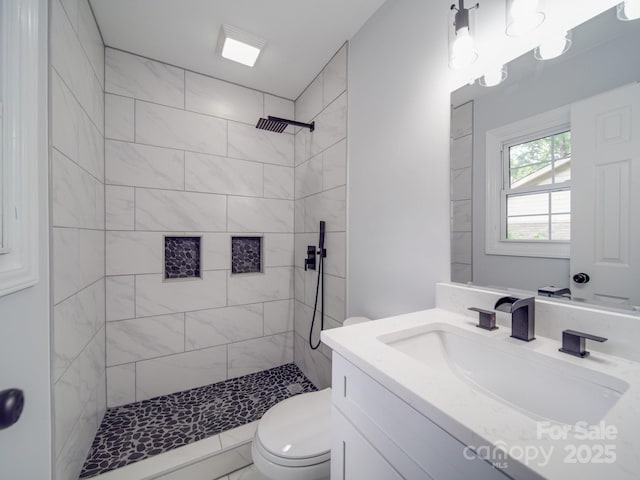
{"x": 377, "y": 435}
{"x": 428, "y": 395}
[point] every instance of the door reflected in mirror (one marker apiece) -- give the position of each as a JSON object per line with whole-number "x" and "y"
{"x": 545, "y": 171}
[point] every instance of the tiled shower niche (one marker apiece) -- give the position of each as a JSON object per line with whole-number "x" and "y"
{"x": 182, "y": 257}
{"x": 246, "y": 254}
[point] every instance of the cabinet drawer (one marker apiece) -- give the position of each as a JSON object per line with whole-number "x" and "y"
{"x": 404, "y": 435}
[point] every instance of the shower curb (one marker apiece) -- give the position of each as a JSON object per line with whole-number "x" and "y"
{"x": 213, "y": 457}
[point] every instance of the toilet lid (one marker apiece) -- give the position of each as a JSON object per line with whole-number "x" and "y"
{"x": 298, "y": 427}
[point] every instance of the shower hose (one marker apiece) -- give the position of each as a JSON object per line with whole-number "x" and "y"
{"x": 319, "y": 288}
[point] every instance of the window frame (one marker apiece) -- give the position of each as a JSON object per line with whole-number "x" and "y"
{"x": 24, "y": 81}
{"x": 497, "y": 171}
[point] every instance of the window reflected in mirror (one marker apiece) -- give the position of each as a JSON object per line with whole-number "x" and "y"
{"x": 537, "y": 193}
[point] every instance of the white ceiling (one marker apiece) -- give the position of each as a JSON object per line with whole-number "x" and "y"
{"x": 302, "y": 35}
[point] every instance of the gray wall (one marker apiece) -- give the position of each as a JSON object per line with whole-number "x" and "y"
{"x": 548, "y": 87}
{"x": 321, "y": 172}
{"x": 398, "y": 196}
{"x": 25, "y": 448}
{"x": 77, "y": 171}
{"x": 183, "y": 157}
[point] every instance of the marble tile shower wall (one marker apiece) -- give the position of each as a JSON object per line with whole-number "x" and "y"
{"x": 320, "y": 194}
{"x": 183, "y": 157}
{"x": 77, "y": 171}
{"x": 461, "y": 192}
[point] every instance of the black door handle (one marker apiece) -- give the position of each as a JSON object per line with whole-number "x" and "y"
{"x": 581, "y": 278}
{"x": 11, "y": 405}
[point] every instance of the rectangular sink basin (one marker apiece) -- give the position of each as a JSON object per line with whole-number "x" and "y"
{"x": 537, "y": 385}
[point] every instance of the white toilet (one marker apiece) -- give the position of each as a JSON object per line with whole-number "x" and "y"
{"x": 293, "y": 439}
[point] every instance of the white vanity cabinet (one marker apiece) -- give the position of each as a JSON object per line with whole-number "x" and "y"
{"x": 376, "y": 435}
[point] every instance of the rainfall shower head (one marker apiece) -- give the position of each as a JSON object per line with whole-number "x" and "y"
{"x": 275, "y": 124}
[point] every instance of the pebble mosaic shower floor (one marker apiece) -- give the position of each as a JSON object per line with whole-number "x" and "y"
{"x": 139, "y": 430}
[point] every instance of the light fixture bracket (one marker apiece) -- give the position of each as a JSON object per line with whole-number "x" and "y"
{"x": 461, "y": 19}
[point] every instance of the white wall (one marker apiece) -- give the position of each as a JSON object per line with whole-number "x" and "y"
{"x": 183, "y": 157}
{"x": 25, "y": 448}
{"x": 398, "y": 196}
{"x": 321, "y": 172}
{"x": 77, "y": 179}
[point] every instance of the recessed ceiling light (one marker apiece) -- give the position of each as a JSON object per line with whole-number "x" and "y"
{"x": 240, "y": 46}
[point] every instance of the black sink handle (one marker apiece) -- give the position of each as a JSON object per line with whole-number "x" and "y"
{"x": 573, "y": 342}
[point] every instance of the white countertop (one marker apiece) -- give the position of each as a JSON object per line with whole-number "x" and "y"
{"x": 478, "y": 420}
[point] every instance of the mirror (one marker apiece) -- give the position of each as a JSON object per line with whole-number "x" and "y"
{"x": 544, "y": 171}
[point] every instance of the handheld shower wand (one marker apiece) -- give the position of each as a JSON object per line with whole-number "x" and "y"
{"x": 320, "y": 284}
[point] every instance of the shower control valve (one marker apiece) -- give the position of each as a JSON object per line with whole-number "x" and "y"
{"x": 310, "y": 261}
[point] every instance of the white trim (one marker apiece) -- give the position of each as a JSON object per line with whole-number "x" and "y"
{"x": 5, "y": 184}
{"x": 22, "y": 77}
{"x": 494, "y": 223}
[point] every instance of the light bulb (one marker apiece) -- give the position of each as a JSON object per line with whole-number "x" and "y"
{"x": 554, "y": 45}
{"x": 629, "y": 10}
{"x": 494, "y": 77}
{"x": 523, "y": 8}
{"x": 523, "y": 17}
{"x": 463, "y": 52}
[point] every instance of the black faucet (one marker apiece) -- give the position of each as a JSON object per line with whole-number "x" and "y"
{"x": 523, "y": 316}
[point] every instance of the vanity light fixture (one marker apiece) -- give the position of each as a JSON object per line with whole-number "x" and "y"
{"x": 628, "y": 10}
{"x": 553, "y": 46}
{"x": 523, "y": 17}
{"x": 240, "y": 46}
{"x": 494, "y": 77}
{"x": 462, "y": 49}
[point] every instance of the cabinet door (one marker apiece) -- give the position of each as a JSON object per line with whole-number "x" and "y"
{"x": 413, "y": 444}
{"x": 353, "y": 457}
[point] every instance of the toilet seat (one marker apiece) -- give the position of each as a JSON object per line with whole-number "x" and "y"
{"x": 297, "y": 431}
{"x": 289, "y": 462}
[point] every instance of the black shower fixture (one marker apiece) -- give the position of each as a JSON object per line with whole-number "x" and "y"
{"x": 276, "y": 124}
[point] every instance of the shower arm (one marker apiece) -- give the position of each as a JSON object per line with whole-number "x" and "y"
{"x": 311, "y": 126}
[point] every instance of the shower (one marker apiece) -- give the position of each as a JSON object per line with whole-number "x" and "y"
{"x": 278, "y": 125}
